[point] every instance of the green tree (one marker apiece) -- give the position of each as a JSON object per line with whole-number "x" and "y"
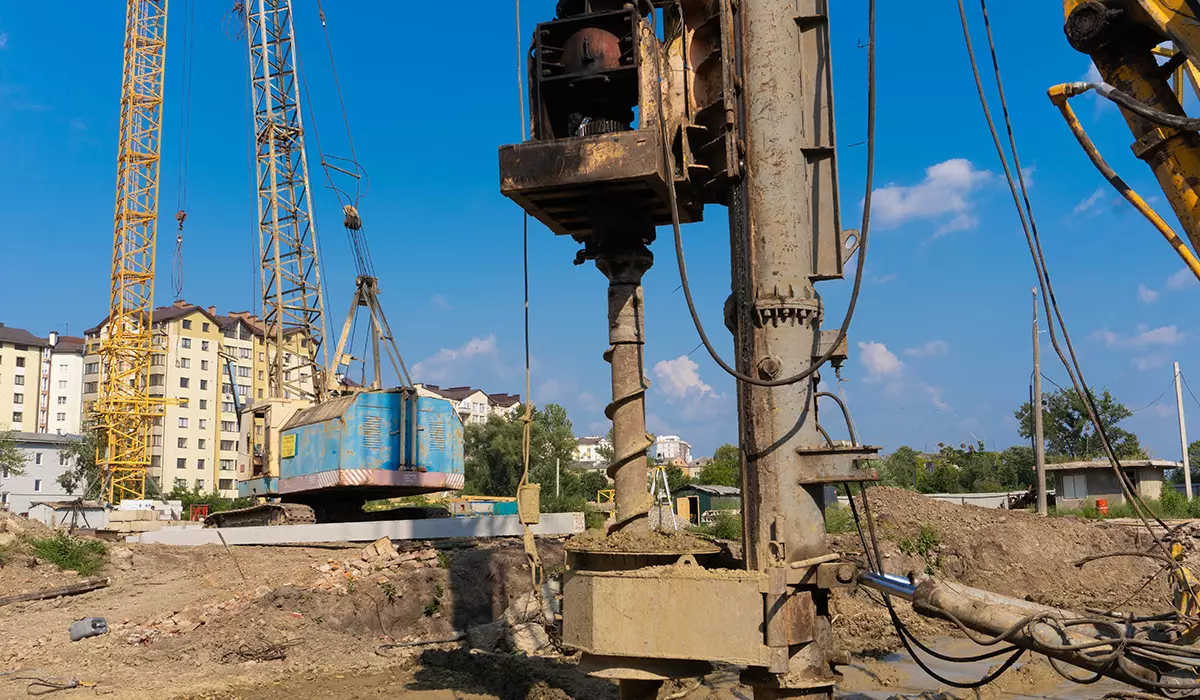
{"x": 591, "y": 482}
{"x": 676, "y": 479}
{"x": 12, "y": 459}
{"x": 725, "y": 469}
{"x": 494, "y": 460}
{"x": 1069, "y": 432}
{"x": 82, "y": 475}
{"x": 902, "y": 468}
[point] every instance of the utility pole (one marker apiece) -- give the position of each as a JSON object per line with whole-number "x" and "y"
{"x": 557, "y": 479}
{"x": 1183, "y": 441}
{"x": 1039, "y": 442}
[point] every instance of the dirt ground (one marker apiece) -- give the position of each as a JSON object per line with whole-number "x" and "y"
{"x": 206, "y": 622}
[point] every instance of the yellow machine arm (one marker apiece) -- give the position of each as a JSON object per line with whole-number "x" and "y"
{"x": 1123, "y": 38}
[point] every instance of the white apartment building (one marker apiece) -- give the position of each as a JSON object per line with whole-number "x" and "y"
{"x": 474, "y": 405}
{"x": 45, "y": 461}
{"x": 588, "y": 450}
{"x": 668, "y": 448}
{"x": 41, "y": 382}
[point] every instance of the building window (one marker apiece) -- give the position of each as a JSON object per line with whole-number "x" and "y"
{"x": 183, "y": 421}
{"x": 205, "y": 327}
{"x": 226, "y": 465}
{"x": 260, "y": 357}
{"x": 37, "y": 457}
{"x": 226, "y": 388}
{"x": 244, "y": 353}
{"x": 181, "y": 483}
{"x": 17, "y": 415}
{"x": 91, "y": 387}
{"x": 203, "y": 402}
{"x": 1074, "y": 486}
{"x": 227, "y": 407}
{"x": 201, "y": 442}
{"x": 226, "y": 484}
{"x": 199, "y": 464}
{"x": 185, "y": 343}
{"x": 183, "y": 382}
{"x": 199, "y": 484}
{"x": 157, "y": 360}
{"x": 185, "y": 363}
{"x": 181, "y": 442}
{"x": 204, "y": 365}
{"x": 62, "y": 400}
{"x": 243, "y": 371}
{"x": 156, "y": 421}
{"x": 184, "y": 403}
{"x": 228, "y": 444}
{"x": 20, "y": 361}
{"x": 204, "y": 345}
{"x": 260, "y": 393}
{"x": 203, "y": 426}
{"x": 203, "y": 385}
{"x": 243, "y": 390}
{"x": 37, "y": 485}
{"x": 156, "y": 441}
{"x": 62, "y": 368}
{"x": 62, "y": 384}
{"x": 187, "y": 325}
{"x": 19, "y": 380}
{"x": 181, "y": 463}
{"x": 18, "y": 398}
{"x": 260, "y": 374}
{"x": 158, "y": 379}
{"x": 61, "y": 417}
{"x": 92, "y": 368}
{"x": 228, "y": 426}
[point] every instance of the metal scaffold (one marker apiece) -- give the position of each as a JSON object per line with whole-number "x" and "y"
{"x": 125, "y": 407}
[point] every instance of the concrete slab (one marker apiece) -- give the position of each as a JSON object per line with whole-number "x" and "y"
{"x": 432, "y": 529}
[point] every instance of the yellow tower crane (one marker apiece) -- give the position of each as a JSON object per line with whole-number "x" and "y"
{"x": 125, "y": 407}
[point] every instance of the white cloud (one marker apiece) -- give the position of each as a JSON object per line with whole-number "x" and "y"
{"x": 447, "y": 364}
{"x": 1146, "y": 295}
{"x": 678, "y": 377}
{"x": 1092, "y": 200}
{"x": 944, "y": 192}
{"x": 1148, "y": 362}
{"x": 884, "y": 279}
{"x": 1144, "y": 337}
{"x": 928, "y": 349}
{"x": 549, "y": 391}
{"x": 1181, "y": 280}
{"x": 879, "y": 361}
{"x": 589, "y": 402}
{"x": 440, "y": 302}
{"x": 935, "y": 396}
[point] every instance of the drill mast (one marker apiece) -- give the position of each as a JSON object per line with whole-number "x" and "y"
{"x": 291, "y": 280}
{"x": 125, "y": 407}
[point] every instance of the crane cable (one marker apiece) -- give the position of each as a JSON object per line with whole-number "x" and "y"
{"x": 530, "y": 545}
{"x": 185, "y": 129}
{"x": 1053, "y": 312}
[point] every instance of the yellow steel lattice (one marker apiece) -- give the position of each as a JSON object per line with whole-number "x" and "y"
{"x": 125, "y": 407}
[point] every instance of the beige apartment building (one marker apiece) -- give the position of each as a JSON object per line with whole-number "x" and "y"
{"x": 194, "y": 442}
{"x": 40, "y": 382}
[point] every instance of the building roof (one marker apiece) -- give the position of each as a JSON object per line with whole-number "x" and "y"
{"x": 714, "y": 490}
{"x": 591, "y": 440}
{"x": 1104, "y": 464}
{"x": 458, "y": 393}
{"x": 164, "y": 314}
{"x": 67, "y": 505}
{"x": 20, "y": 336}
{"x": 505, "y": 400}
{"x": 47, "y": 438}
{"x": 70, "y": 344}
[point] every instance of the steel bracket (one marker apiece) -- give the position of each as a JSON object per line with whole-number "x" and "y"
{"x": 831, "y": 465}
{"x": 825, "y": 341}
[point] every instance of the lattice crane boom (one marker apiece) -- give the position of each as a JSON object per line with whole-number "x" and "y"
{"x": 125, "y": 407}
{"x": 291, "y": 279}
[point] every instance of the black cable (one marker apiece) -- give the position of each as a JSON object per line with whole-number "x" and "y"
{"x": 1132, "y": 104}
{"x": 862, "y": 244}
{"x": 1164, "y": 393}
{"x": 1189, "y": 389}
{"x": 845, "y": 414}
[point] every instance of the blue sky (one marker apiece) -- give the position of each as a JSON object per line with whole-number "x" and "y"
{"x": 941, "y": 340}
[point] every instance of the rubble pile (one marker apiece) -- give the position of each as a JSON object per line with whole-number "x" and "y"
{"x": 382, "y": 556}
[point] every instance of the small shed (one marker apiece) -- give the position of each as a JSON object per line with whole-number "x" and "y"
{"x": 695, "y": 500}
{"x": 1076, "y": 483}
{"x": 77, "y": 513}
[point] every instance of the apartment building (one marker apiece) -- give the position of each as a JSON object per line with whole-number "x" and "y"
{"x": 45, "y": 461}
{"x": 474, "y": 405}
{"x": 40, "y": 382}
{"x": 668, "y": 448}
{"x": 206, "y": 367}
{"x": 588, "y": 452}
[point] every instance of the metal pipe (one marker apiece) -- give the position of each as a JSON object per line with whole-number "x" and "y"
{"x": 888, "y": 583}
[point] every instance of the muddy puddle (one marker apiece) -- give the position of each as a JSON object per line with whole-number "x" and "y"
{"x": 898, "y": 674}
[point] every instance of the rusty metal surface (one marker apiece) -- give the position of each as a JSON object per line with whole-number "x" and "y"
{"x": 664, "y": 614}
{"x": 832, "y": 465}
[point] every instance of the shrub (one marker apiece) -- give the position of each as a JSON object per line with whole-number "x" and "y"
{"x": 923, "y": 545}
{"x": 727, "y": 525}
{"x": 838, "y": 519}
{"x": 87, "y": 556}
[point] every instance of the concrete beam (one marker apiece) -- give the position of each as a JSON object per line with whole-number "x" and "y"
{"x": 431, "y": 529}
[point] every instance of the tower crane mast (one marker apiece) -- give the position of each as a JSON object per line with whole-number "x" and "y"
{"x": 291, "y": 279}
{"x": 125, "y": 406}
